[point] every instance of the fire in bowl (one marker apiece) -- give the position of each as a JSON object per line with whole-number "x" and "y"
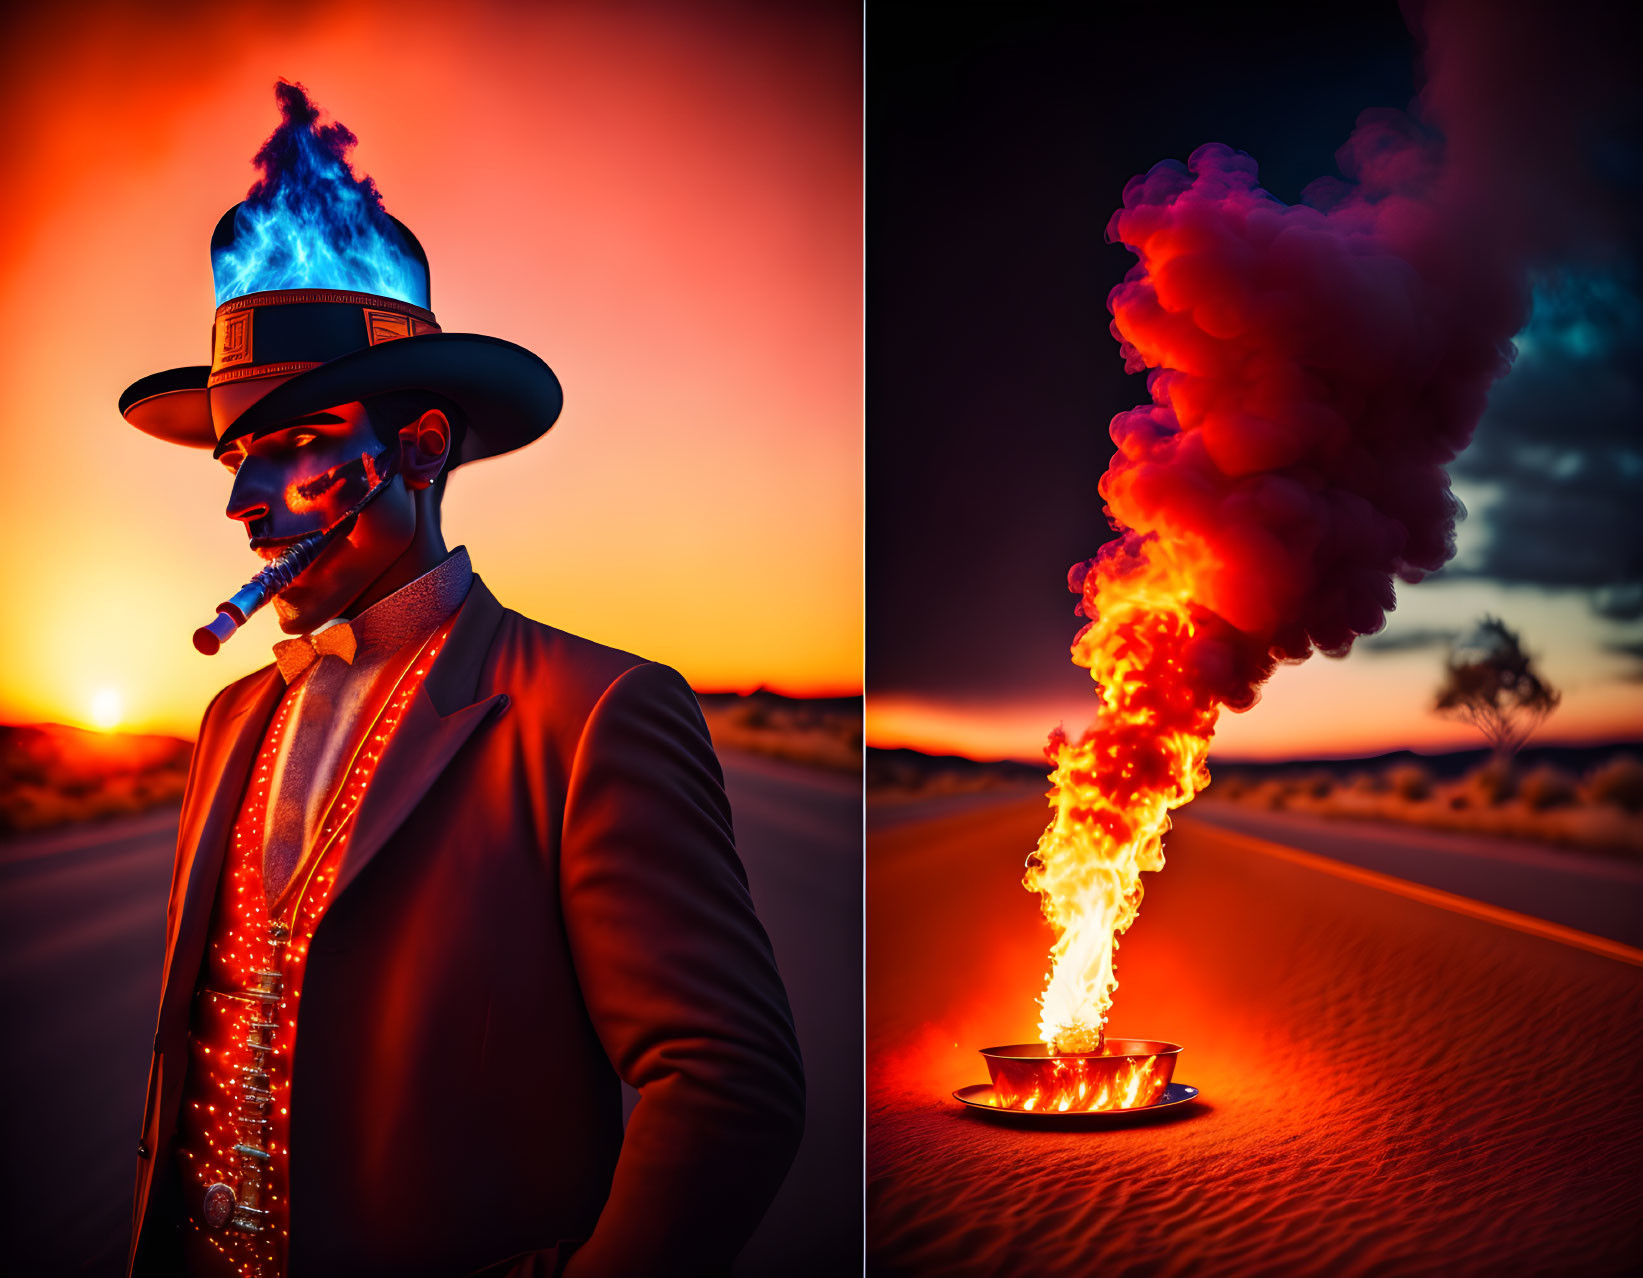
{"x": 1127, "y": 1073}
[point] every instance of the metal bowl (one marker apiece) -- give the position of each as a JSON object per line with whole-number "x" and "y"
{"x": 1128, "y": 1073}
{"x": 1176, "y": 1098}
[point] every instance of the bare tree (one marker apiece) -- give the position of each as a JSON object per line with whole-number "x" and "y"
{"x": 1490, "y": 682}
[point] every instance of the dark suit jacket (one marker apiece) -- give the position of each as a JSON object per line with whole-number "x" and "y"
{"x": 541, "y": 893}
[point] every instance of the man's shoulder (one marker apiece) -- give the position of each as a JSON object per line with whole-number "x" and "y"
{"x": 236, "y": 694}
{"x": 540, "y": 650}
{"x": 595, "y": 701}
{"x": 566, "y": 674}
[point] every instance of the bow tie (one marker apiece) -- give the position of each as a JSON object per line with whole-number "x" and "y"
{"x": 293, "y": 656}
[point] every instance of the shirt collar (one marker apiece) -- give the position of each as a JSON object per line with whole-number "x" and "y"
{"x": 414, "y": 611}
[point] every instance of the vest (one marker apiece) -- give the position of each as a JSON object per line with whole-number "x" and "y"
{"x": 233, "y": 1146}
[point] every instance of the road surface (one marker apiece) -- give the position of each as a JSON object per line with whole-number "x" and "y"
{"x": 82, "y": 913}
{"x": 1597, "y": 892}
{"x": 1389, "y": 1086}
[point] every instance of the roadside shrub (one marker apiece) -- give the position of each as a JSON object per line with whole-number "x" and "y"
{"x": 1274, "y": 793}
{"x": 161, "y": 787}
{"x": 35, "y": 807}
{"x": 1619, "y": 781}
{"x": 1492, "y": 783}
{"x": 752, "y": 714}
{"x": 1318, "y": 785}
{"x": 1548, "y": 787}
{"x": 118, "y": 796}
{"x": 1410, "y": 782}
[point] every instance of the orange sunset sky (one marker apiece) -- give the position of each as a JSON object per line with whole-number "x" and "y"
{"x": 663, "y": 203}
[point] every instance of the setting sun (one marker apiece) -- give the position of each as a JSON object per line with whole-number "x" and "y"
{"x": 105, "y": 709}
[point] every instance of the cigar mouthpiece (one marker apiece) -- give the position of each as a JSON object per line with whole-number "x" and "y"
{"x": 209, "y": 638}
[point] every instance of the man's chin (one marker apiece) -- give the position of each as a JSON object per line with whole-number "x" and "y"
{"x": 304, "y": 606}
{"x": 297, "y": 617}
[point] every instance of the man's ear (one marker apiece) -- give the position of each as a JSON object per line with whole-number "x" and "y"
{"x": 424, "y": 448}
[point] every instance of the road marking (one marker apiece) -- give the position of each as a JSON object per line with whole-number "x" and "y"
{"x": 1443, "y": 900}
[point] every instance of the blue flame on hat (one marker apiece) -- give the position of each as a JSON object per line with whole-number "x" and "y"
{"x": 309, "y": 222}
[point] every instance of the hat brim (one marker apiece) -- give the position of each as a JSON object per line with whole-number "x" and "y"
{"x": 173, "y": 406}
{"x": 508, "y": 395}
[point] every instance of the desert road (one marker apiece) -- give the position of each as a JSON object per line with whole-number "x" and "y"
{"x": 82, "y": 913}
{"x": 1389, "y": 1084}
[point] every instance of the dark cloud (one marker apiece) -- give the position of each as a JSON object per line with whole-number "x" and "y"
{"x": 1560, "y": 449}
{"x": 1620, "y": 603}
{"x": 1406, "y": 640}
{"x": 1632, "y": 648}
{"x": 1547, "y": 102}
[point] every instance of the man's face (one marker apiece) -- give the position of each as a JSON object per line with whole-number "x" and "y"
{"x": 304, "y": 477}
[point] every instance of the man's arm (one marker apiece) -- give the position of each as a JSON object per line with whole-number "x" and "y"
{"x": 681, "y": 984}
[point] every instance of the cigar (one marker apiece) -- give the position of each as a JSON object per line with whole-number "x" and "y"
{"x": 280, "y": 573}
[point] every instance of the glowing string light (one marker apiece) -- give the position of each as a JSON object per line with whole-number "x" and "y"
{"x": 240, "y": 1071}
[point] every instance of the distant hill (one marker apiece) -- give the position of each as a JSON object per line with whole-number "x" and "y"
{"x": 51, "y": 774}
{"x": 780, "y": 700}
{"x": 1447, "y": 765}
{"x": 915, "y": 771}
{"x": 818, "y": 731}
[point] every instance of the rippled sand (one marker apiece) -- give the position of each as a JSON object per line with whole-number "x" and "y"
{"x": 1388, "y": 1087}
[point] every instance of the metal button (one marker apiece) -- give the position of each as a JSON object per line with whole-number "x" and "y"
{"x": 142, "y": 1149}
{"x": 219, "y": 1205}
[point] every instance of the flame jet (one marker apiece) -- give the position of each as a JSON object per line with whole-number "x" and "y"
{"x": 309, "y": 221}
{"x": 1311, "y": 369}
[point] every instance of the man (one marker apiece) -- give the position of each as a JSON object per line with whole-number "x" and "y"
{"x": 492, "y": 863}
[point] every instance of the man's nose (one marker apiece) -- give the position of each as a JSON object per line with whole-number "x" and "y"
{"x": 248, "y": 501}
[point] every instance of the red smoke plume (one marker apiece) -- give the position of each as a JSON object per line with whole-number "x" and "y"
{"x": 1312, "y": 369}
{"x": 1313, "y": 372}
{"x": 1315, "y": 366}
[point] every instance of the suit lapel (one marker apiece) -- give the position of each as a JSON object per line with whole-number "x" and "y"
{"x": 224, "y": 766}
{"x": 420, "y": 749}
{"x": 440, "y": 719}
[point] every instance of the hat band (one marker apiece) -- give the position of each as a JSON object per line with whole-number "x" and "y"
{"x": 290, "y": 331}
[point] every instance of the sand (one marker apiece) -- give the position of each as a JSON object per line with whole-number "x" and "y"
{"x": 1387, "y": 1086}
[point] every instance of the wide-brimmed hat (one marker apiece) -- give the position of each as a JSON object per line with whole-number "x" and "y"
{"x": 279, "y": 353}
